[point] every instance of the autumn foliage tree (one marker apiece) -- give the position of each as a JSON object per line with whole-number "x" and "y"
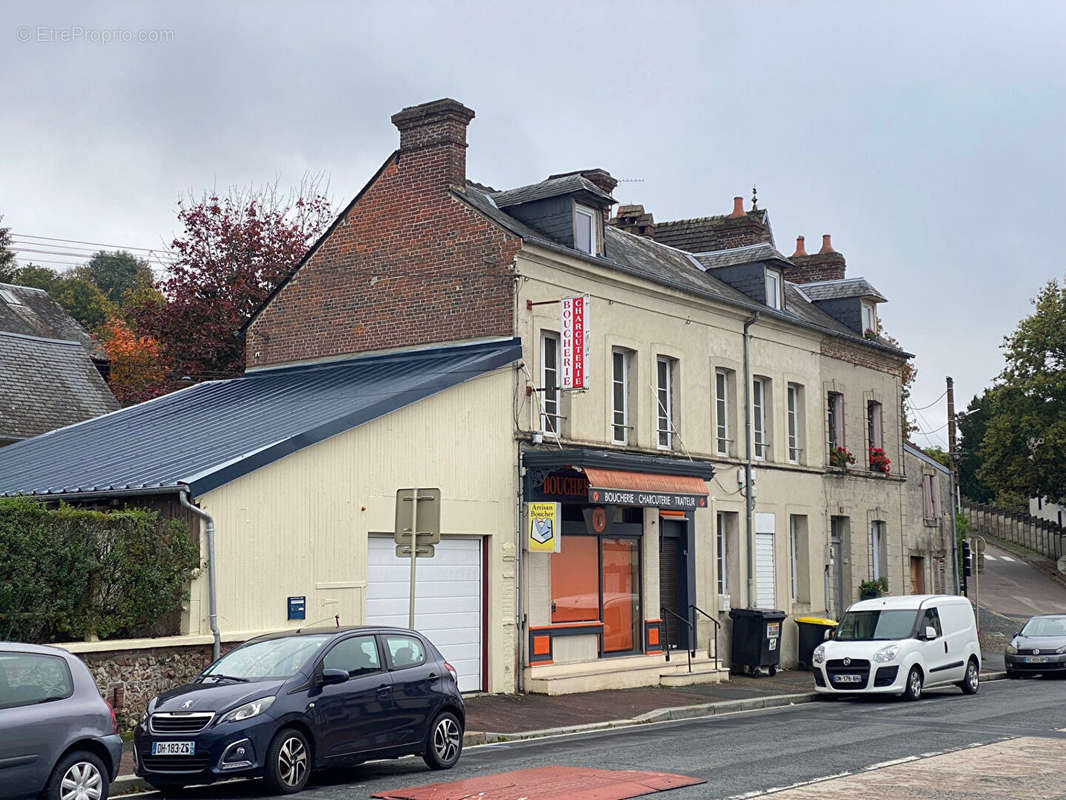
{"x": 137, "y": 371}
{"x": 232, "y": 252}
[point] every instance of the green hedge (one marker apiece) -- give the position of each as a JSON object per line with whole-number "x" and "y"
{"x": 68, "y": 573}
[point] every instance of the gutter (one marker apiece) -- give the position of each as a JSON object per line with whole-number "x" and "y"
{"x": 213, "y": 607}
{"x": 749, "y": 501}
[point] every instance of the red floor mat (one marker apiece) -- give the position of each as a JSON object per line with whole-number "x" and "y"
{"x": 547, "y": 783}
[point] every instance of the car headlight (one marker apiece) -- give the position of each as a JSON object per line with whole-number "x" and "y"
{"x": 886, "y": 653}
{"x": 819, "y": 654}
{"x": 1061, "y": 650}
{"x": 248, "y": 710}
{"x": 1012, "y": 650}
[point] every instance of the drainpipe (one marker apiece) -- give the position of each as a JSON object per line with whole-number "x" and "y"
{"x": 749, "y": 501}
{"x": 520, "y": 603}
{"x": 183, "y": 496}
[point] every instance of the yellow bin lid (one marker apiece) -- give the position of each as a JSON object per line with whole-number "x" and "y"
{"x": 817, "y": 621}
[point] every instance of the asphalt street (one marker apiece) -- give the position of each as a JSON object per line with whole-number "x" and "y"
{"x": 1011, "y": 587}
{"x": 1018, "y": 723}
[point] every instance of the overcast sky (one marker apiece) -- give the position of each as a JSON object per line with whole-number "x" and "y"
{"x": 929, "y": 138}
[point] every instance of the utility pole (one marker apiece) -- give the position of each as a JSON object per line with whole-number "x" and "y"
{"x": 953, "y": 449}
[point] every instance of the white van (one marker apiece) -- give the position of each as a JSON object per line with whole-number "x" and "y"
{"x": 900, "y": 645}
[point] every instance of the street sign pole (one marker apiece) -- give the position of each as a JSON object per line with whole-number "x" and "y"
{"x": 414, "y": 553}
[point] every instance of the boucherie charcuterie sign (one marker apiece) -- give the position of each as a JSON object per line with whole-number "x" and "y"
{"x": 573, "y": 343}
{"x": 633, "y": 497}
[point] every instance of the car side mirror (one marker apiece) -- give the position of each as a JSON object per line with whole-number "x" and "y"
{"x": 333, "y": 676}
{"x": 828, "y": 634}
{"x": 930, "y": 633}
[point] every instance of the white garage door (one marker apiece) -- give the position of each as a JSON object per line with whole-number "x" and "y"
{"x": 448, "y": 599}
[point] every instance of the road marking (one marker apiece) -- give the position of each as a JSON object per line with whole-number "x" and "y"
{"x": 800, "y": 785}
{"x": 894, "y": 762}
{"x": 1005, "y": 558}
{"x": 989, "y": 558}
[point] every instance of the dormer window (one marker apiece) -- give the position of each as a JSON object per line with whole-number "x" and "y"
{"x": 586, "y": 235}
{"x": 773, "y": 289}
{"x": 869, "y": 317}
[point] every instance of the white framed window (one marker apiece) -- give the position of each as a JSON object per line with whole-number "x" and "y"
{"x": 586, "y": 235}
{"x": 722, "y": 560}
{"x": 758, "y": 414}
{"x": 795, "y": 426}
{"x": 835, "y": 419}
{"x": 549, "y": 383}
{"x": 721, "y": 412}
{"x": 664, "y": 402}
{"x": 773, "y": 289}
{"x": 878, "y": 553}
{"x": 620, "y": 426}
{"x": 869, "y": 317}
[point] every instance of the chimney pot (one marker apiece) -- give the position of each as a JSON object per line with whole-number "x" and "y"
{"x": 800, "y": 249}
{"x": 827, "y": 246}
{"x": 738, "y": 207}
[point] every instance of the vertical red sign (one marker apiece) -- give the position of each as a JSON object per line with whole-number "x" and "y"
{"x": 574, "y": 343}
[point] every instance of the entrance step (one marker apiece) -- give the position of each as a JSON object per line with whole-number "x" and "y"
{"x": 697, "y": 676}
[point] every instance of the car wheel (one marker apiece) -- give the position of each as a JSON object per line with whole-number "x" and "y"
{"x": 914, "y": 684}
{"x": 79, "y": 776}
{"x": 444, "y": 743}
{"x": 972, "y": 682}
{"x": 288, "y": 762}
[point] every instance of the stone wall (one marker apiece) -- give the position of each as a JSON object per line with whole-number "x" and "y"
{"x": 128, "y": 679}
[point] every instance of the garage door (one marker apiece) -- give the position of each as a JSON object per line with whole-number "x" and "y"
{"x": 448, "y": 599}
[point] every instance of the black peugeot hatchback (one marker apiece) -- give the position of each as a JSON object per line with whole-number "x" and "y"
{"x": 287, "y": 703}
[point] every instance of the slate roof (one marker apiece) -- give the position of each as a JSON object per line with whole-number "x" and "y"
{"x": 552, "y": 187}
{"x": 837, "y": 290}
{"x": 211, "y": 433}
{"x": 764, "y": 251}
{"x": 36, "y": 314}
{"x": 675, "y": 268}
{"x": 46, "y": 384}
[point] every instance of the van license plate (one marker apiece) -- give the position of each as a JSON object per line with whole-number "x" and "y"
{"x": 173, "y": 748}
{"x": 847, "y": 679}
{"x": 1036, "y": 659}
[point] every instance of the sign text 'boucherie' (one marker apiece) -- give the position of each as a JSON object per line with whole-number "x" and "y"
{"x": 573, "y": 342}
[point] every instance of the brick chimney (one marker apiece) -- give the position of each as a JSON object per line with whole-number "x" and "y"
{"x": 433, "y": 141}
{"x": 633, "y": 219}
{"x": 825, "y": 265}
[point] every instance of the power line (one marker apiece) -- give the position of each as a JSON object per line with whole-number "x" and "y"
{"x": 923, "y": 408}
{"x": 17, "y": 235}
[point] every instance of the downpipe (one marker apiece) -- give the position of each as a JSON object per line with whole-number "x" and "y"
{"x": 749, "y": 502}
{"x": 212, "y": 618}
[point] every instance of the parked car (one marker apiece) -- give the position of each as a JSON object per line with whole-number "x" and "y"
{"x": 901, "y": 645}
{"x": 282, "y": 705}
{"x": 57, "y": 735}
{"x": 1038, "y": 648}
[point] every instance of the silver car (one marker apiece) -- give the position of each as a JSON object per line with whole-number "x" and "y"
{"x": 1039, "y": 648}
{"x": 57, "y": 735}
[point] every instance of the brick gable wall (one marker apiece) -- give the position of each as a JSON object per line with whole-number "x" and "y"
{"x": 407, "y": 265}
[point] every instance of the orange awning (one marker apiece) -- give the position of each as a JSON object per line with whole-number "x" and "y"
{"x": 647, "y": 482}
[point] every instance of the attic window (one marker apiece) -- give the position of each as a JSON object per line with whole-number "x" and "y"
{"x": 9, "y": 298}
{"x": 773, "y": 289}
{"x": 585, "y": 233}
{"x": 869, "y": 317}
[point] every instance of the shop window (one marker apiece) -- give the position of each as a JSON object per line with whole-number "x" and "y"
{"x": 575, "y": 580}
{"x": 597, "y": 579}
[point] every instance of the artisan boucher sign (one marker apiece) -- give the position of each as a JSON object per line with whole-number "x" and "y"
{"x": 574, "y": 342}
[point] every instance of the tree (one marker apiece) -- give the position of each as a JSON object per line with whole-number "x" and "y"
{"x": 7, "y": 258}
{"x": 232, "y": 252}
{"x": 972, "y": 425}
{"x": 115, "y": 274}
{"x": 136, "y": 370}
{"x": 1023, "y": 451}
{"x": 76, "y": 294}
{"x": 938, "y": 455}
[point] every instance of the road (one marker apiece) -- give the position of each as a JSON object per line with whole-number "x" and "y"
{"x": 1012, "y": 588}
{"x": 831, "y": 749}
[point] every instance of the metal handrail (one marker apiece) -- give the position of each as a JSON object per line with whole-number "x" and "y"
{"x": 717, "y": 627}
{"x": 692, "y": 634}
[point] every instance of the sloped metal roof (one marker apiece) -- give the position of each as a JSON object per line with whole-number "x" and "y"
{"x": 211, "y": 433}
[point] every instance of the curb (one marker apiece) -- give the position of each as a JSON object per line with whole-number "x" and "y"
{"x": 128, "y": 784}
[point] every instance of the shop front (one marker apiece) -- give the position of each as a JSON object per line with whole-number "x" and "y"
{"x": 615, "y": 587}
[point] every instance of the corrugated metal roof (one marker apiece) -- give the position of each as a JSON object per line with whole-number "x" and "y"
{"x": 211, "y": 433}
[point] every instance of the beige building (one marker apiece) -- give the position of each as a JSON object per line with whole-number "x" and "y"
{"x": 428, "y": 340}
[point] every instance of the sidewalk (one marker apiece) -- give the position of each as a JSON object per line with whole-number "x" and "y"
{"x": 503, "y": 717}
